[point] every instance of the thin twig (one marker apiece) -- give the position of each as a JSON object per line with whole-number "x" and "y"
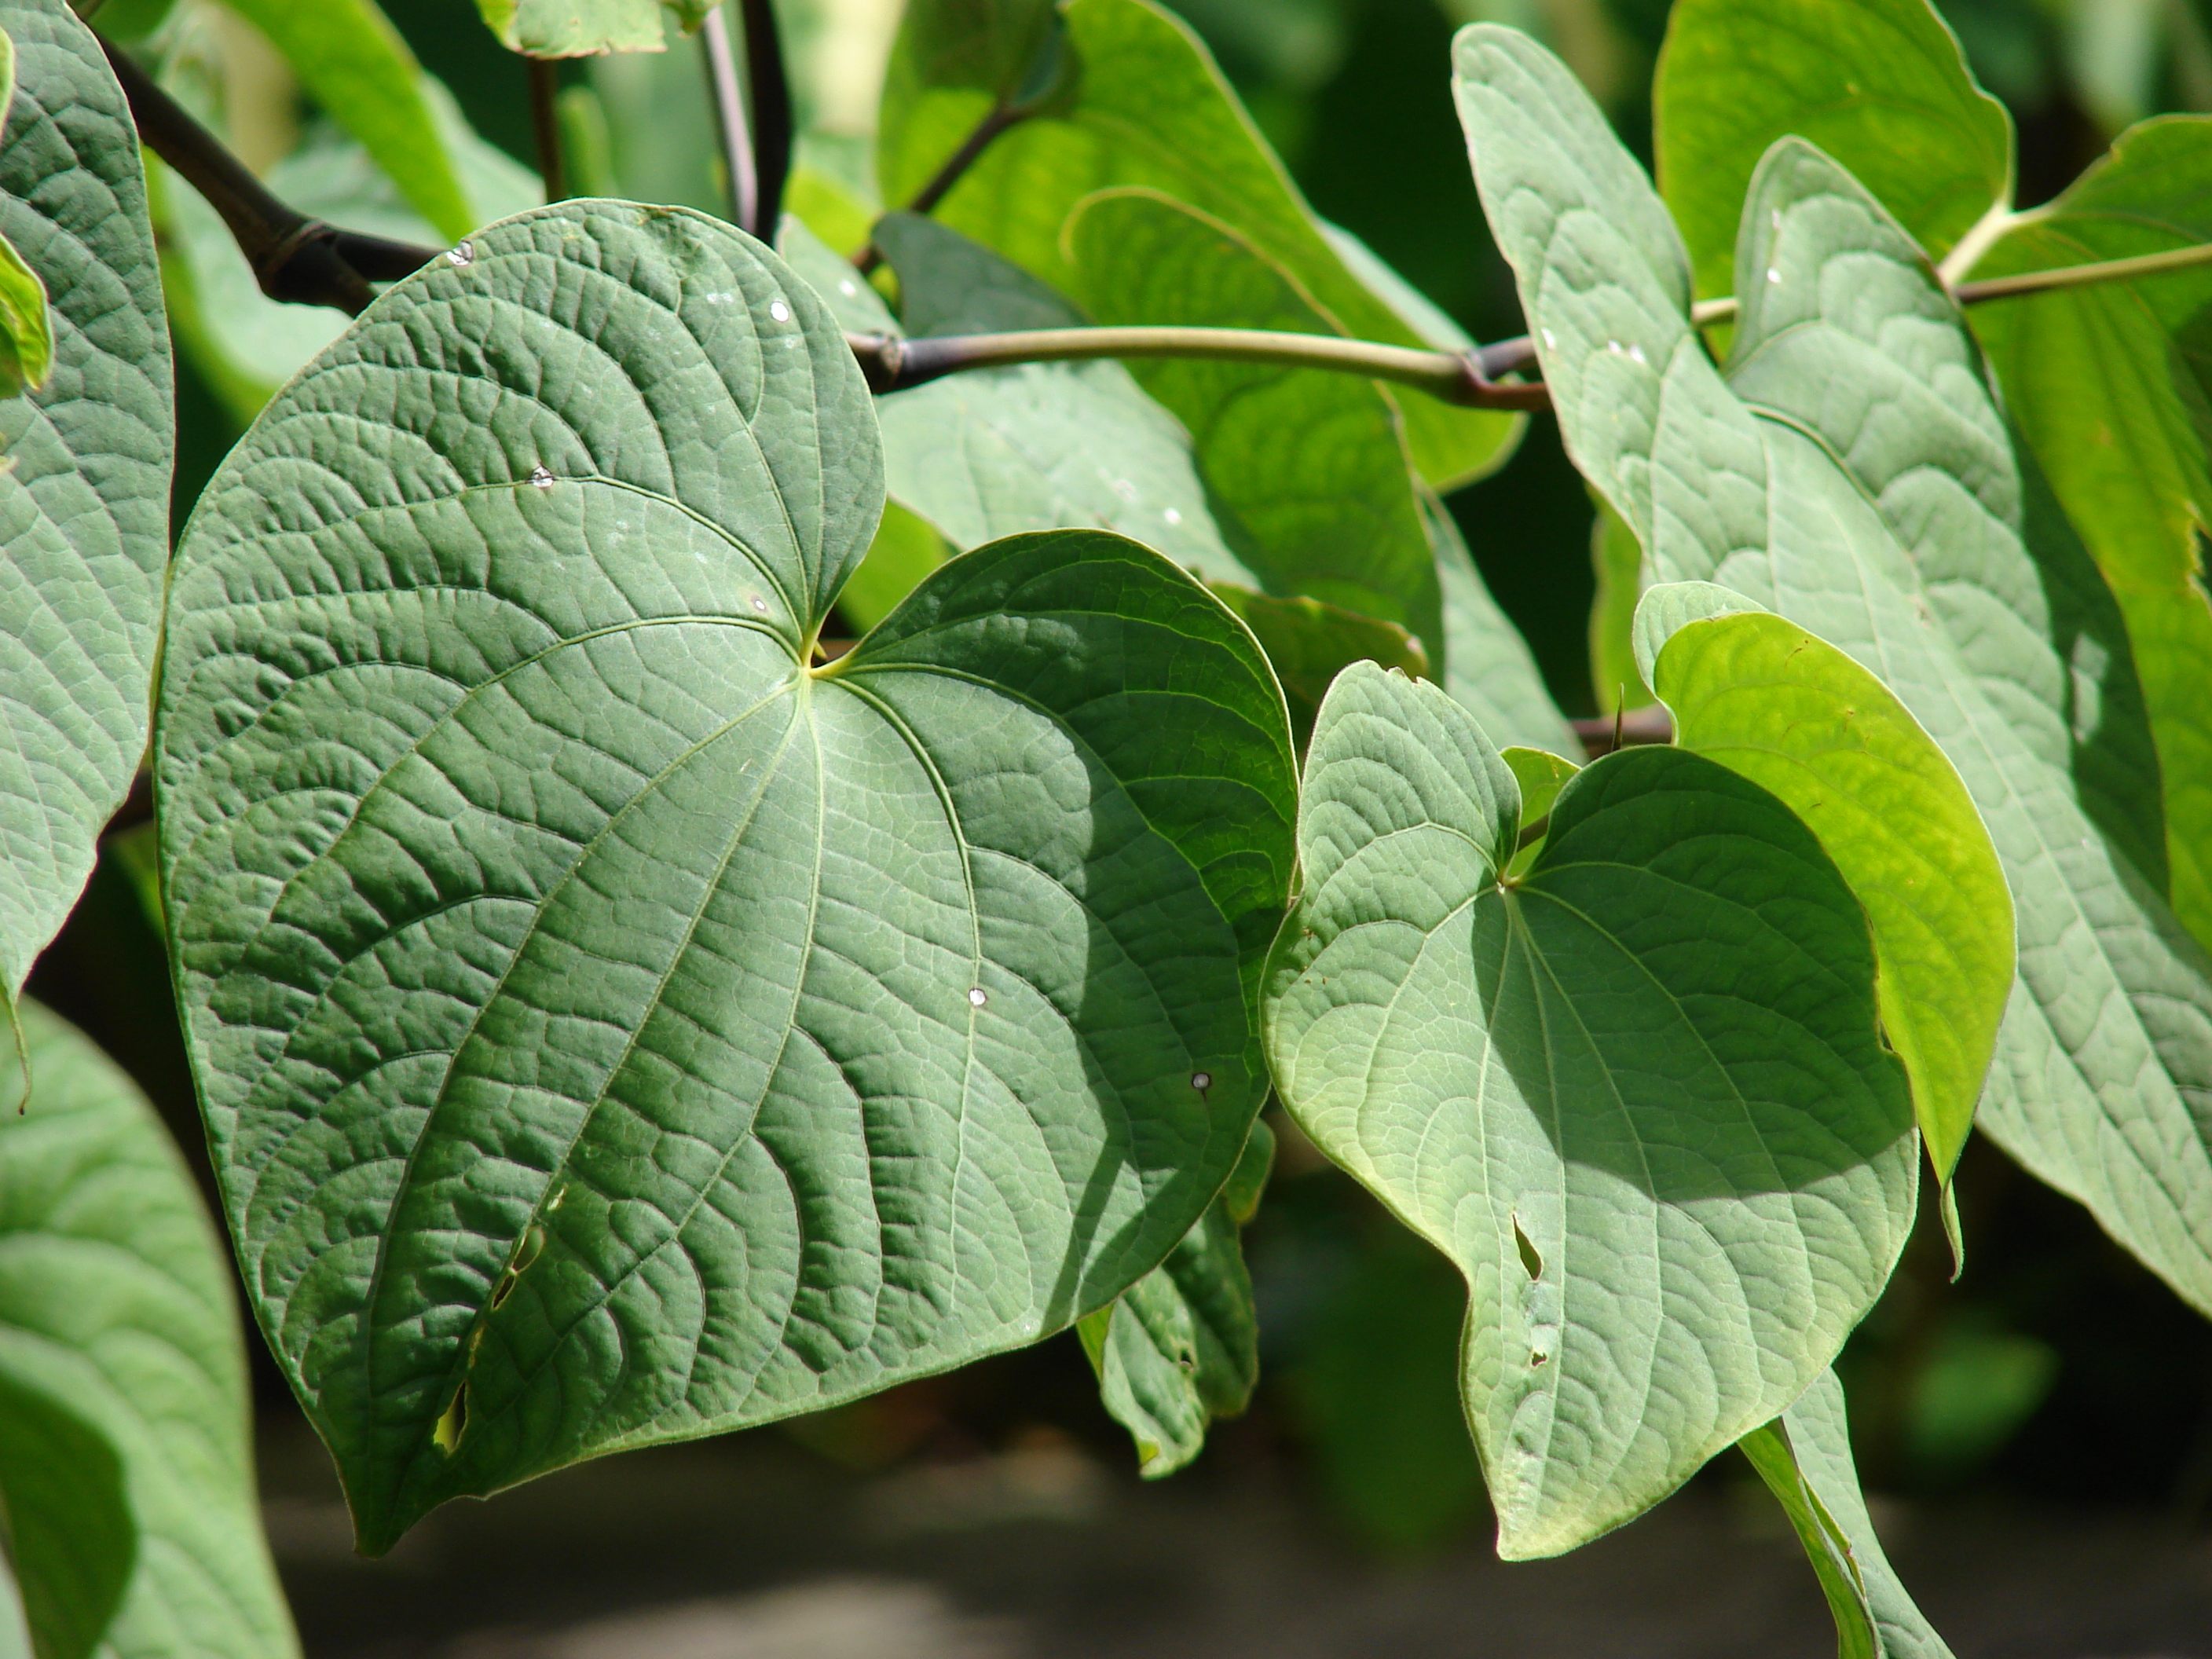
{"x": 773, "y": 127}
{"x": 295, "y": 257}
{"x": 2062, "y": 276}
{"x": 1002, "y": 116}
{"x": 545, "y": 125}
{"x": 730, "y": 122}
{"x": 892, "y": 364}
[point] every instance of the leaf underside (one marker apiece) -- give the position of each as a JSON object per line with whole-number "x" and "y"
{"x": 611, "y": 1028}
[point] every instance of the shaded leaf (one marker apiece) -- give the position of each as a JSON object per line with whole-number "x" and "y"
{"x": 1636, "y": 1096}
{"x": 1179, "y": 1349}
{"x": 612, "y": 1028}
{"x": 1852, "y": 473}
{"x": 1826, "y": 1546}
{"x": 1790, "y": 711}
{"x": 2111, "y": 387}
{"x": 84, "y": 507}
{"x": 1147, "y": 108}
{"x": 1309, "y": 642}
{"x": 1488, "y": 666}
{"x": 1617, "y": 559}
{"x": 126, "y": 1467}
{"x": 1881, "y": 85}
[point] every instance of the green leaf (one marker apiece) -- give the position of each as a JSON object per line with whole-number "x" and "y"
{"x": 84, "y": 499}
{"x": 2111, "y": 387}
{"x": 1617, "y": 559}
{"x": 611, "y": 1028}
{"x": 1636, "y": 1096}
{"x": 1540, "y": 775}
{"x": 1881, "y": 85}
{"x": 1790, "y": 711}
{"x": 1853, "y": 473}
{"x": 583, "y": 29}
{"x": 1805, "y": 1458}
{"x": 27, "y": 336}
{"x": 907, "y": 548}
{"x": 1038, "y": 445}
{"x": 246, "y": 344}
{"x": 1488, "y": 666}
{"x": 1148, "y": 109}
{"x": 355, "y": 65}
{"x": 1309, "y": 642}
{"x": 1179, "y": 1349}
{"x": 1307, "y": 470}
{"x": 125, "y": 1466}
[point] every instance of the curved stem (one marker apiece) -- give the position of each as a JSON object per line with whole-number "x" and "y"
{"x": 2065, "y": 277}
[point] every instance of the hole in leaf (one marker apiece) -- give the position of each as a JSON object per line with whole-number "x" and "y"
{"x": 1532, "y": 1263}
{"x": 447, "y": 1437}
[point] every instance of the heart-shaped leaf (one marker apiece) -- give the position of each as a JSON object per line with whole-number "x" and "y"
{"x": 1637, "y": 1094}
{"x": 126, "y": 1474}
{"x": 1798, "y": 717}
{"x": 612, "y": 1026}
{"x": 84, "y": 495}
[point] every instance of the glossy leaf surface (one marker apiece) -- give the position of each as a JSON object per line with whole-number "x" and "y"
{"x": 613, "y": 1028}
{"x": 1636, "y": 1096}
{"x": 126, "y": 1471}
{"x": 84, "y": 498}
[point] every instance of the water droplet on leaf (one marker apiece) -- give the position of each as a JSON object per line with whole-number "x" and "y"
{"x": 541, "y": 478}
{"x": 780, "y": 311}
{"x": 976, "y": 998}
{"x": 461, "y": 253}
{"x": 1201, "y": 1081}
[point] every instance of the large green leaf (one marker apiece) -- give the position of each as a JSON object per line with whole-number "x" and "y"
{"x": 612, "y": 1029}
{"x": 1790, "y": 711}
{"x": 126, "y": 1471}
{"x": 1038, "y": 445}
{"x": 1805, "y": 1458}
{"x": 84, "y": 496}
{"x": 355, "y": 65}
{"x": 1881, "y": 85}
{"x": 1637, "y": 1094}
{"x": 1307, "y": 469}
{"x": 1181, "y": 1347}
{"x": 580, "y": 28}
{"x": 2111, "y": 386}
{"x": 1147, "y": 108}
{"x": 1853, "y": 474}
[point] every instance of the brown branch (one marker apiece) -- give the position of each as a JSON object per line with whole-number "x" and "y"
{"x": 545, "y": 125}
{"x": 1001, "y": 117}
{"x": 295, "y": 258}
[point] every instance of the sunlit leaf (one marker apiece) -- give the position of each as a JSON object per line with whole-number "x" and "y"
{"x": 580, "y": 28}
{"x": 1635, "y": 1096}
{"x": 613, "y": 1027}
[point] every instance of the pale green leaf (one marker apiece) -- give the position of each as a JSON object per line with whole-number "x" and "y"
{"x": 1540, "y": 775}
{"x": 354, "y": 64}
{"x": 1636, "y": 1096}
{"x": 1813, "y": 1440}
{"x": 84, "y": 497}
{"x": 1617, "y": 562}
{"x": 1179, "y": 1349}
{"x": 907, "y": 548}
{"x": 1826, "y": 1547}
{"x": 612, "y": 1028}
{"x": 581, "y": 28}
{"x": 1790, "y": 711}
{"x": 1852, "y": 473}
{"x": 2111, "y": 387}
{"x": 1881, "y": 85}
{"x": 1146, "y": 107}
{"x": 126, "y": 1471}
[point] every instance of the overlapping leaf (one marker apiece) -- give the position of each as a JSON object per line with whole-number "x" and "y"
{"x": 126, "y": 1469}
{"x": 84, "y": 506}
{"x": 1139, "y": 104}
{"x": 1795, "y": 715}
{"x": 580, "y": 28}
{"x": 1637, "y": 1094}
{"x": 1880, "y": 85}
{"x": 1181, "y": 1347}
{"x": 610, "y": 1027}
{"x": 1852, "y": 473}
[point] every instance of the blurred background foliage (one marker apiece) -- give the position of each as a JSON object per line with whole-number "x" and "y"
{"x": 2056, "y": 1368}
